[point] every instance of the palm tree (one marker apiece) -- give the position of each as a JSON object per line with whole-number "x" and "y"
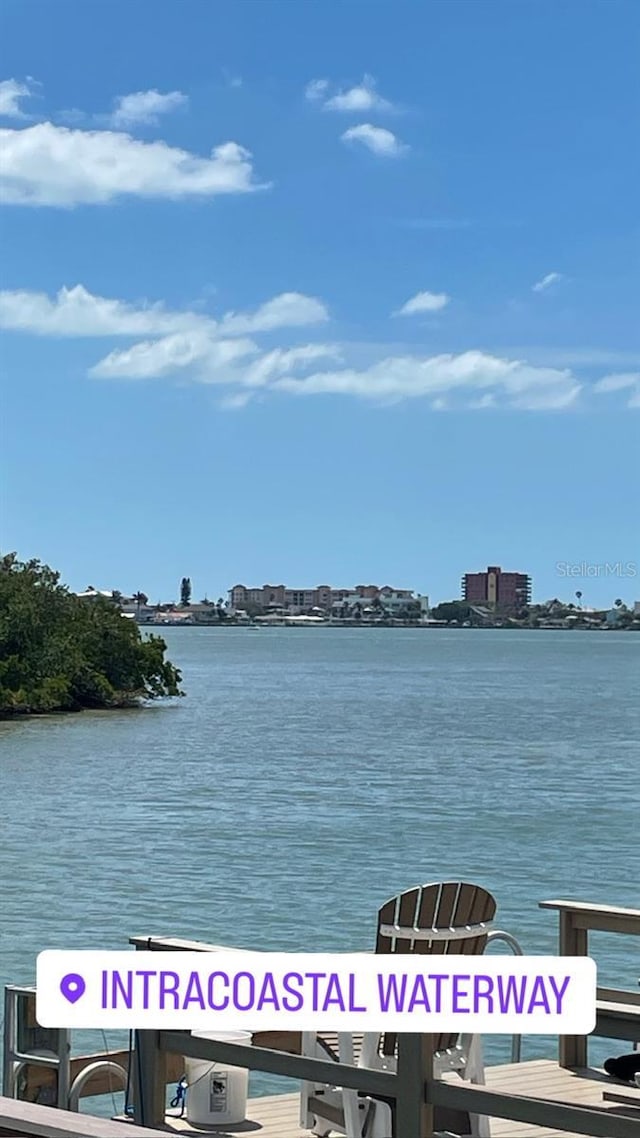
{"x": 579, "y": 597}
{"x": 140, "y": 599}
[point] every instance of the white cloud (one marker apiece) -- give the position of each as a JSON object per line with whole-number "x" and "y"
{"x": 376, "y": 138}
{"x": 77, "y": 312}
{"x": 423, "y": 302}
{"x": 316, "y": 90}
{"x": 623, "y": 381}
{"x": 236, "y": 402}
{"x": 145, "y": 107}
{"x": 289, "y": 310}
{"x": 184, "y": 351}
{"x": 362, "y": 97}
{"x": 226, "y": 351}
{"x": 207, "y": 360}
{"x": 618, "y": 382}
{"x": 11, "y": 92}
{"x": 281, "y": 361}
{"x": 546, "y": 282}
{"x": 176, "y": 342}
{"x": 469, "y": 376}
{"x": 57, "y": 166}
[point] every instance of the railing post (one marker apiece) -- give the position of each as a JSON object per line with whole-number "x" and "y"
{"x": 413, "y": 1116}
{"x": 150, "y": 1080}
{"x": 572, "y": 942}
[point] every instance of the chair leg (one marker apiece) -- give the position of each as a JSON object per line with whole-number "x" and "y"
{"x": 480, "y": 1125}
{"x": 312, "y": 1050}
{"x": 475, "y": 1061}
{"x": 353, "y": 1113}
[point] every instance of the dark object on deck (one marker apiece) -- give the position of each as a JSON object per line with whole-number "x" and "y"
{"x": 624, "y": 1067}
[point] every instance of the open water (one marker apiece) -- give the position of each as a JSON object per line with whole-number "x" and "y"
{"x": 310, "y": 774}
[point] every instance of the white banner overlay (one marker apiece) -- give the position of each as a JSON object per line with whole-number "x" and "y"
{"x": 272, "y": 991}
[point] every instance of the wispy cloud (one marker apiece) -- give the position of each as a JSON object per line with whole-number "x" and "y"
{"x": 12, "y": 91}
{"x": 144, "y": 108}
{"x": 571, "y": 356}
{"x": 546, "y": 282}
{"x": 423, "y": 302}
{"x": 186, "y": 344}
{"x": 362, "y": 97}
{"x": 623, "y": 381}
{"x": 75, "y": 312}
{"x": 226, "y": 350}
{"x": 223, "y": 351}
{"x": 138, "y": 109}
{"x": 237, "y": 401}
{"x": 316, "y": 90}
{"x": 48, "y": 165}
{"x": 289, "y": 310}
{"x": 459, "y": 381}
{"x": 198, "y": 353}
{"x": 377, "y": 139}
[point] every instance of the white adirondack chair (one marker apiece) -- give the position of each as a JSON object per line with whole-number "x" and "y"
{"x": 452, "y": 917}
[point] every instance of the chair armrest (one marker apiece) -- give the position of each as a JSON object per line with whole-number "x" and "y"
{"x": 604, "y": 918}
{"x": 619, "y": 996}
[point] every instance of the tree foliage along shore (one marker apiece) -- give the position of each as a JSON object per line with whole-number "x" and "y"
{"x": 59, "y": 652}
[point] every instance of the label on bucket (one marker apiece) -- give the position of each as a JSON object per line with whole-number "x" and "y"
{"x": 218, "y": 1092}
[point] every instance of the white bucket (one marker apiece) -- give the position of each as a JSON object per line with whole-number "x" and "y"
{"x": 216, "y": 1092}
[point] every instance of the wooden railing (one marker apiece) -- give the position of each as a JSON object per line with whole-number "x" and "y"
{"x": 20, "y": 1119}
{"x": 413, "y": 1092}
{"x": 617, "y": 1010}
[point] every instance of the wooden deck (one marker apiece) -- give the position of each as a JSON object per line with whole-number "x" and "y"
{"x": 276, "y": 1116}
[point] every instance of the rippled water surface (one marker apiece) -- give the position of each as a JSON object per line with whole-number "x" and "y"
{"x": 310, "y": 774}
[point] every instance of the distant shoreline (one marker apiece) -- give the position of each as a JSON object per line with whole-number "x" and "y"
{"x": 390, "y": 627}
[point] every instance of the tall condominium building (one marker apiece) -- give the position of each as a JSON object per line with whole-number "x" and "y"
{"x": 505, "y": 590}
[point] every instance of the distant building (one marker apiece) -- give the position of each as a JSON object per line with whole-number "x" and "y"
{"x": 501, "y": 590}
{"x": 278, "y": 598}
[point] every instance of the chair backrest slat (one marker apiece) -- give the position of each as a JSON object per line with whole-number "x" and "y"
{"x": 455, "y": 906}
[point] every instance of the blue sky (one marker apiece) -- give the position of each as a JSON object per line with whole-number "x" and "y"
{"x": 321, "y": 292}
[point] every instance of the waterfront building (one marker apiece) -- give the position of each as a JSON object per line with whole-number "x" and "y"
{"x": 497, "y": 588}
{"x": 279, "y": 598}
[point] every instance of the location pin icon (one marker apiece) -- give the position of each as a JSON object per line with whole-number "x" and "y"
{"x": 72, "y": 987}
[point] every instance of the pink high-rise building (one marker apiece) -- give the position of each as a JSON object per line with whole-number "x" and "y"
{"x": 503, "y": 590}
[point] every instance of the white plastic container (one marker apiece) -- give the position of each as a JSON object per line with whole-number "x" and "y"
{"x": 216, "y": 1092}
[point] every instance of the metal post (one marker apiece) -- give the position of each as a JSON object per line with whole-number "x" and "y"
{"x": 413, "y": 1116}
{"x": 572, "y": 1050}
{"x": 150, "y": 1080}
{"x": 8, "y": 1065}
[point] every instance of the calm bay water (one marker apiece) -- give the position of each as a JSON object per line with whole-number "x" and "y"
{"x": 310, "y": 774}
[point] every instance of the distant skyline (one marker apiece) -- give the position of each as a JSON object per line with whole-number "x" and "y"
{"x": 576, "y": 578}
{"x": 321, "y": 293}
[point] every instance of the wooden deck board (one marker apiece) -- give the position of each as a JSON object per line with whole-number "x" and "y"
{"x": 276, "y": 1116}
